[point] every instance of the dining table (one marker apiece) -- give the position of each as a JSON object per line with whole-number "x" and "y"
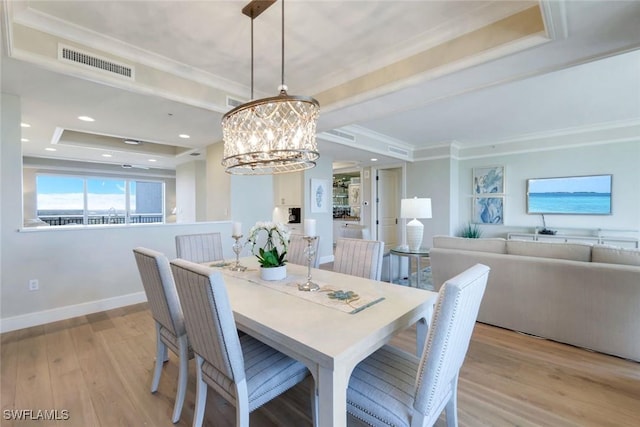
{"x": 330, "y": 330}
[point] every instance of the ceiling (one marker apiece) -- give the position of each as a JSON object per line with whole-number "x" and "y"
{"x": 396, "y": 80}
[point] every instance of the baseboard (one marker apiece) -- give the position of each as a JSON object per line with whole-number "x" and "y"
{"x": 67, "y": 312}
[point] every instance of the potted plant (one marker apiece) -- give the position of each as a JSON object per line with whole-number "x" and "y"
{"x": 471, "y": 231}
{"x": 272, "y": 251}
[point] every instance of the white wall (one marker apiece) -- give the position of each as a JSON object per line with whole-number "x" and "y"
{"x": 80, "y": 270}
{"x": 448, "y": 182}
{"x": 432, "y": 178}
{"x": 324, "y": 220}
{"x": 191, "y": 191}
{"x": 218, "y": 185}
{"x": 622, "y": 160}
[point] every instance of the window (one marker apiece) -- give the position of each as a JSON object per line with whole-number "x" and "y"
{"x": 65, "y": 200}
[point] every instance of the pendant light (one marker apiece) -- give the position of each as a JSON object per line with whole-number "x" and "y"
{"x": 270, "y": 135}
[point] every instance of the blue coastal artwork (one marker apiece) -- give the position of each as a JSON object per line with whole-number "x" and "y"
{"x": 488, "y": 210}
{"x": 585, "y": 195}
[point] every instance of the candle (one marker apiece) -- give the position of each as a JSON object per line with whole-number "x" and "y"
{"x": 237, "y": 229}
{"x": 310, "y": 227}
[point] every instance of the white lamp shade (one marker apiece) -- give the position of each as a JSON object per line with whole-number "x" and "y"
{"x": 415, "y": 208}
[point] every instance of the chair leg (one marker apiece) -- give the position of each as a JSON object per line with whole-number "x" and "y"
{"x": 182, "y": 377}
{"x": 451, "y": 410}
{"x": 161, "y": 351}
{"x": 242, "y": 404}
{"x": 314, "y": 401}
{"x": 201, "y": 395}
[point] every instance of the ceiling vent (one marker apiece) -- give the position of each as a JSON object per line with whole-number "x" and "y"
{"x": 89, "y": 60}
{"x": 342, "y": 135}
{"x": 233, "y": 102}
{"x": 398, "y": 151}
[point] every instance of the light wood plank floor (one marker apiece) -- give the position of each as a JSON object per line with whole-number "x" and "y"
{"x": 99, "y": 368}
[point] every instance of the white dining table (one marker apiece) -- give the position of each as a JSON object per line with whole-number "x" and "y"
{"x": 328, "y": 341}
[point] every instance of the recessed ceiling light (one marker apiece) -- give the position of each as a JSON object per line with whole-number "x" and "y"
{"x": 132, "y": 142}
{"x": 50, "y": 149}
{"x": 107, "y": 155}
{"x": 374, "y": 160}
{"x": 86, "y": 119}
{"x": 24, "y": 140}
{"x": 25, "y": 125}
{"x": 152, "y": 160}
{"x": 184, "y": 136}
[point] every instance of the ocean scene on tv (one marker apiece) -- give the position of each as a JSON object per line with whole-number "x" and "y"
{"x": 586, "y": 195}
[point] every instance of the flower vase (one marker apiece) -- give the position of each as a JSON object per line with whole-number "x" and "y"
{"x": 273, "y": 273}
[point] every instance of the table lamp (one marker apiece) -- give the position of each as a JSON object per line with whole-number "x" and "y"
{"x": 415, "y": 208}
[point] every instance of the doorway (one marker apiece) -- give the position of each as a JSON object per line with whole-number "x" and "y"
{"x": 388, "y": 190}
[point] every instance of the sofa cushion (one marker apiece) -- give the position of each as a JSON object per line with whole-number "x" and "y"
{"x": 494, "y": 245}
{"x": 613, "y": 255}
{"x": 570, "y": 251}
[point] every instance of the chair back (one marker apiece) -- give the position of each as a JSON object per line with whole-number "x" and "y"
{"x": 160, "y": 289}
{"x": 448, "y": 340}
{"x": 297, "y": 246}
{"x": 199, "y": 247}
{"x": 359, "y": 257}
{"x": 209, "y": 320}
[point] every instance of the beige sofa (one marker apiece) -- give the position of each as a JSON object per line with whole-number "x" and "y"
{"x": 587, "y": 296}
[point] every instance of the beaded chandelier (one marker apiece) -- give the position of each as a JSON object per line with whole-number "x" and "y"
{"x": 270, "y": 135}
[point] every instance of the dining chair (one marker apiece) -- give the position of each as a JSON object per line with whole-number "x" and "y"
{"x": 395, "y": 388}
{"x": 296, "y": 252}
{"x": 162, "y": 296}
{"x": 359, "y": 257}
{"x": 243, "y": 370}
{"x": 198, "y": 248}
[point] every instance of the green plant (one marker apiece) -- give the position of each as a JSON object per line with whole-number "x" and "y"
{"x": 274, "y": 250}
{"x": 471, "y": 231}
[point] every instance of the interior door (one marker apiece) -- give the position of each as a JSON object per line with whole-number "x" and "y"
{"x": 388, "y": 207}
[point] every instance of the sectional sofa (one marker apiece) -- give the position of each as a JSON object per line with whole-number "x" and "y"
{"x": 587, "y": 296}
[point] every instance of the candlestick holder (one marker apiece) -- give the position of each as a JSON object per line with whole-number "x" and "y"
{"x": 237, "y": 248}
{"x": 309, "y": 286}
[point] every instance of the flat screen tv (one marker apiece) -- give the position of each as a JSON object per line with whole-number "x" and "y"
{"x": 575, "y": 195}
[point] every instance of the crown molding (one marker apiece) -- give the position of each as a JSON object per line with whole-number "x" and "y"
{"x": 554, "y": 14}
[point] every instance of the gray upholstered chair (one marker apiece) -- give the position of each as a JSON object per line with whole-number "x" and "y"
{"x": 296, "y": 252}
{"x": 243, "y": 370}
{"x": 203, "y": 247}
{"x": 395, "y": 388}
{"x": 359, "y": 257}
{"x": 160, "y": 288}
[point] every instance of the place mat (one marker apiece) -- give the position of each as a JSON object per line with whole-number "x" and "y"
{"x": 330, "y": 296}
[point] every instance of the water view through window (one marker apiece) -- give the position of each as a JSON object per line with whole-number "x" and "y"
{"x": 63, "y": 200}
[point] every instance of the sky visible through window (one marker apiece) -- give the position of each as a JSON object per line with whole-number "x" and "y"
{"x": 60, "y": 193}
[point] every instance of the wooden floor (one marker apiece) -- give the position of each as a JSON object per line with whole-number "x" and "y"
{"x": 99, "y": 368}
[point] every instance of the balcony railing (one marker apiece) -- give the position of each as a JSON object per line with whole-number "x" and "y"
{"x": 101, "y": 219}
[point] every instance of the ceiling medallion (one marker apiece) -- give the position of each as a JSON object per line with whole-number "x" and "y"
{"x": 270, "y": 135}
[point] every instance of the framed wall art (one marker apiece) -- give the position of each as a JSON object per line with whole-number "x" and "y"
{"x": 488, "y": 180}
{"x": 319, "y": 195}
{"x": 488, "y": 210}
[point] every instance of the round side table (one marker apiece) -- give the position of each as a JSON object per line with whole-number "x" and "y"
{"x": 416, "y": 255}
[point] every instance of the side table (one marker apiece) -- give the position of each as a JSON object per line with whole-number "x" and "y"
{"x": 416, "y": 255}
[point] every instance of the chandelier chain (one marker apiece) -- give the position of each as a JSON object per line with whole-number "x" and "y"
{"x": 282, "y": 64}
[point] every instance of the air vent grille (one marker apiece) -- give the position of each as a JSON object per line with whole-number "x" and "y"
{"x": 343, "y": 135}
{"x": 89, "y": 60}
{"x": 397, "y": 150}
{"x": 233, "y": 102}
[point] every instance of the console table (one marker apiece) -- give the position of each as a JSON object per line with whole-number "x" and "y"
{"x": 600, "y": 239}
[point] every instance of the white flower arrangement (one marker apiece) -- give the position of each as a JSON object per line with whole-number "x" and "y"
{"x": 273, "y": 253}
